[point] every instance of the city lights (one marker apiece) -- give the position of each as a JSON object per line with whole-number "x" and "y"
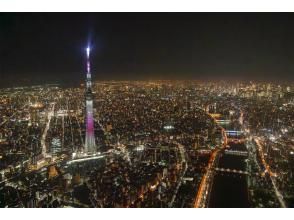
{"x": 158, "y": 118}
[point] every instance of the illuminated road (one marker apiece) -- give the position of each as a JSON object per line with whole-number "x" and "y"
{"x": 241, "y": 118}
{"x": 261, "y": 154}
{"x": 278, "y": 194}
{"x": 93, "y": 157}
{"x": 43, "y": 139}
{"x": 62, "y": 131}
{"x": 271, "y": 174}
{"x": 70, "y": 123}
{"x": 205, "y": 182}
{"x": 183, "y": 160}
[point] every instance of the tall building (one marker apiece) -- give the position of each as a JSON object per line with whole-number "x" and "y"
{"x": 90, "y": 146}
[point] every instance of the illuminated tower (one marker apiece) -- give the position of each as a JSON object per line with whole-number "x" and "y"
{"x": 90, "y": 146}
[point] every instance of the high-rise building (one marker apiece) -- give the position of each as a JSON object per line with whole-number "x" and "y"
{"x": 90, "y": 146}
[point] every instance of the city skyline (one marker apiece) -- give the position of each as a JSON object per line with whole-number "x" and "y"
{"x": 90, "y": 140}
{"x": 37, "y": 48}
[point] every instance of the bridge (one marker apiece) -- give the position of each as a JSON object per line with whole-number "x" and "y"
{"x": 234, "y": 132}
{"x": 237, "y": 153}
{"x": 227, "y": 170}
{"x": 223, "y": 121}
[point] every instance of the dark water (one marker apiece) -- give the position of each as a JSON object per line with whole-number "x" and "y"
{"x": 230, "y": 190}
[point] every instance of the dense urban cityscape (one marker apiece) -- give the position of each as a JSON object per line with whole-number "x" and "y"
{"x": 150, "y": 111}
{"x": 157, "y": 144}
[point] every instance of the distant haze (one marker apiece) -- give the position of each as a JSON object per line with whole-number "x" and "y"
{"x": 49, "y": 47}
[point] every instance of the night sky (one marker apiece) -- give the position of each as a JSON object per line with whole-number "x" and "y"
{"x": 49, "y": 47}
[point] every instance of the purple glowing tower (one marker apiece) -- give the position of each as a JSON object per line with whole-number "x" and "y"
{"x": 90, "y": 146}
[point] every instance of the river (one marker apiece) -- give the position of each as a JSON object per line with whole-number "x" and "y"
{"x": 230, "y": 190}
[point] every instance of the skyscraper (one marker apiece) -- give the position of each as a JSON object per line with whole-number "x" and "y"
{"x": 90, "y": 146}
